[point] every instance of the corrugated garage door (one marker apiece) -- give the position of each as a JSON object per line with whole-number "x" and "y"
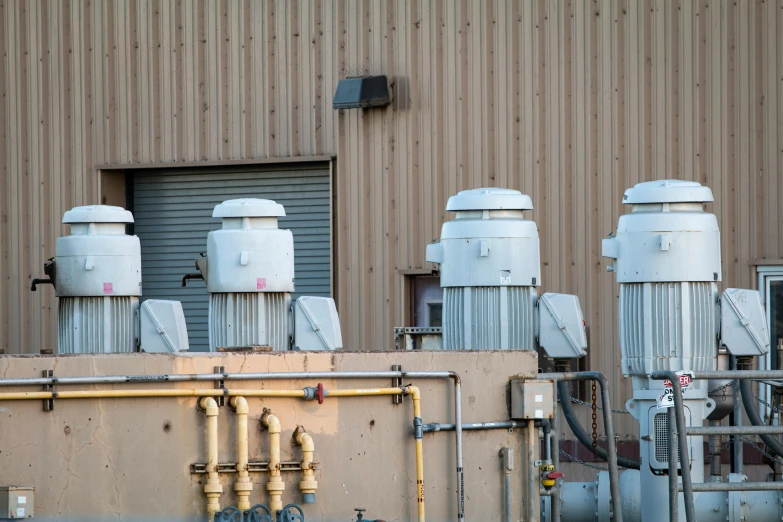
{"x": 173, "y": 213}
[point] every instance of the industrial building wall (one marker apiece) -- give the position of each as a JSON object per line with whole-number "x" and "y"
{"x": 568, "y": 101}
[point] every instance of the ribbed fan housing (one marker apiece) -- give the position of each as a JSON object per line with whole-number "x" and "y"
{"x": 668, "y": 326}
{"x": 97, "y": 324}
{"x": 489, "y": 318}
{"x": 249, "y": 319}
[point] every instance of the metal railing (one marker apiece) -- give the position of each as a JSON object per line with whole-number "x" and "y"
{"x": 681, "y": 433}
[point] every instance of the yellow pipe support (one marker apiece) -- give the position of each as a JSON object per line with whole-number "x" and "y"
{"x": 243, "y": 486}
{"x": 418, "y": 434}
{"x": 308, "y": 485}
{"x": 212, "y": 488}
{"x": 275, "y": 486}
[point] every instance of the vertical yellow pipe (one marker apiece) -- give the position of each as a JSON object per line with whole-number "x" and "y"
{"x": 308, "y": 485}
{"x": 275, "y": 486}
{"x": 418, "y": 433}
{"x": 212, "y": 488}
{"x": 243, "y": 486}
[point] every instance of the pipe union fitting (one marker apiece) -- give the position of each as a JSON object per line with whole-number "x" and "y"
{"x": 275, "y": 486}
{"x": 213, "y": 488}
{"x": 243, "y": 486}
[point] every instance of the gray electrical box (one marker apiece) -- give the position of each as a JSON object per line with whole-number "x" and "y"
{"x": 16, "y": 502}
{"x": 532, "y": 399}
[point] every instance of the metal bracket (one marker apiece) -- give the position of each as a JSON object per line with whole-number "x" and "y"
{"x": 253, "y": 466}
{"x": 538, "y": 463}
{"x": 397, "y": 383}
{"x": 48, "y": 404}
{"x": 220, "y": 385}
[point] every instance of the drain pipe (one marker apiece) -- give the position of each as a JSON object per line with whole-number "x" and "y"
{"x": 212, "y": 488}
{"x": 243, "y": 486}
{"x": 308, "y": 484}
{"x": 275, "y": 486}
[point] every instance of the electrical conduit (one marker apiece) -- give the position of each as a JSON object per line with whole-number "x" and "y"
{"x": 243, "y": 486}
{"x": 212, "y": 488}
{"x": 275, "y": 486}
{"x": 308, "y": 484}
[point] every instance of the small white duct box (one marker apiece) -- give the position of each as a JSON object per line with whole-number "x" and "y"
{"x": 562, "y": 326}
{"x": 316, "y": 324}
{"x": 743, "y": 323}
{"x": 163, "y": 328}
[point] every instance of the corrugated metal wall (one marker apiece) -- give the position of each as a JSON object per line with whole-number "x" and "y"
{"x": 569, "y": 101}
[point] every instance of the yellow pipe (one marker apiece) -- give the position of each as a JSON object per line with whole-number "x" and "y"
{"x": 212, "y": 488}
{"x": 308, "y": 485}
{"x": 275, "y": 486}
{"x": 418, "y": 433}
{"x": 363, "y": 392}
{"x": 243, "y": 486}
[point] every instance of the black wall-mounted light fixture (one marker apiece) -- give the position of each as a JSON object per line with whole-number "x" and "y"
{"x": 362, "y": 93}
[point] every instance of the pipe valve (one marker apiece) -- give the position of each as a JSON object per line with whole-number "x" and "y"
{"x": 549, "y": 475}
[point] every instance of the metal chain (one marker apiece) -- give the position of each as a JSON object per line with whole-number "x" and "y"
{"x": 571, "y": 458}
{"x": 721, "y": 388}
{"x": 768, "y": 405}
{"x": 595, "y": 420}
{"x": 761, "y": 450}
{"x": 583, "y": 403}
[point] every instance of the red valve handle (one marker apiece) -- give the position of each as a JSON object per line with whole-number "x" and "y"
{"x": 319, "y": 393}
{"x": 554, "y": 475}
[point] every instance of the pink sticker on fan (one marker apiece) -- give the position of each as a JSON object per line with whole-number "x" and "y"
{"x": 108, "y": 288}
{"x": 261, "y": 283}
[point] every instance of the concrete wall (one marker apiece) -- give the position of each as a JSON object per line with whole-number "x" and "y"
{"x": 128, "y": 459}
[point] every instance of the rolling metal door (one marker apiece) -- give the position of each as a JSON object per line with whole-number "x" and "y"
{"x": 173, "y": 215}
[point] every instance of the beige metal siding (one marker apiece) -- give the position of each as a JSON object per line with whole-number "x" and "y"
{"x": 569, "y": 101}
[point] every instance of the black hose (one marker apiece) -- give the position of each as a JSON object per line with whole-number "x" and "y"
{"x": 581, "y": 434}
{"x": 753, "y": 415}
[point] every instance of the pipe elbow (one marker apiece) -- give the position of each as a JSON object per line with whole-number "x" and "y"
{"x": 209, "y": 405}
{"x": 304, "y": 440}
{"x": 271, "y": 422}
{"x": 413, "y": 391}
{"x": 240, "y": 405}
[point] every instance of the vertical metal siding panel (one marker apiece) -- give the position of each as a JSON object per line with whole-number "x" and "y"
{"x": 759, "y": 174}
{"x": 771, "y": 130}
{"x": 167, "y": 109}
{"x": 282, "y": 65}
{"x": 188, "y": 53}
{"x": 235, "y": 81}
{"x": 5, "y": 179}
{"x": 10, "y": 223}
{"x": 777, "y": 40}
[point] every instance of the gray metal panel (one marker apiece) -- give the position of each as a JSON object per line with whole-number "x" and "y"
{"x": 173, "y": 210}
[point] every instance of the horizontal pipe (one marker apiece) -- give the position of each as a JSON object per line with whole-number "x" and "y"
{"x": 731, "y": 374}
{"x": 500, "y": 425}
{"x": 190, "y": 377}
{"x": 733, "y": 430}
{"x": 118, "y": 394}
{"x": 735, "y": 486}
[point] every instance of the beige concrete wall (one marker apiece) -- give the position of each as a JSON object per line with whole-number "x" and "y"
{"x": 569, "y": 101}
{"x": 123, "y": 459}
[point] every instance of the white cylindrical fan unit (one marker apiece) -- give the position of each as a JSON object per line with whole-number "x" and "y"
{"x": 250, "y": 276}
{"x": 489, "y": 270}
{"x": 97, "y": 277}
